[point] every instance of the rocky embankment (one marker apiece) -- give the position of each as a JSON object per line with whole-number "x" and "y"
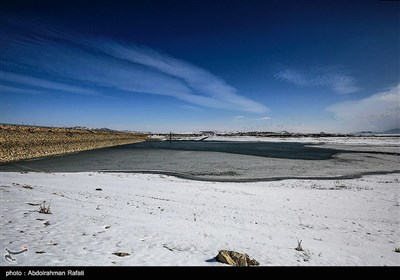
{"x": 23, "y": 142}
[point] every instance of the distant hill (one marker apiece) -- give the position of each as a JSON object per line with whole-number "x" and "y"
{"x": 392, "y": 131}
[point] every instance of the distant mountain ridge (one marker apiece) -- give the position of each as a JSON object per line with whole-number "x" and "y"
{"x": 392, "y": 131}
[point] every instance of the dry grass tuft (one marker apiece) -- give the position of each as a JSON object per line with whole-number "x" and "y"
{"x": 43, "y": 209}
{"x": 299, "y": 247}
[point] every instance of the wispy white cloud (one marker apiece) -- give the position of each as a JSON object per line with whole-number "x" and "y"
{"x": 292, "y": 76}
{"x": 197, "y": 79}
{"x": 18, "y": 90}
{"x": 102, "y": 63}
{"x": 378, "y": 112}
{"x": 29, "y": 81}
{"x": 192, "y": 108}
{"x": 265, "y": 118}
{"x": 336, "y": 80}
{"x": 239, "y": 117}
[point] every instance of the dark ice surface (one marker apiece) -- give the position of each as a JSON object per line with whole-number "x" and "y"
{"x": 220, "y": 161}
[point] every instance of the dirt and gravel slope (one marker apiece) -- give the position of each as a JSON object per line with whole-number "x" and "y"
{"x": 23, "y": 142}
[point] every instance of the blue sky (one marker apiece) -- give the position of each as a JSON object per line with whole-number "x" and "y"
{"x": 159, "y": 66}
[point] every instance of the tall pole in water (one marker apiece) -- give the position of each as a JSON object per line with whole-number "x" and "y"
{"x": 170, "y": 136}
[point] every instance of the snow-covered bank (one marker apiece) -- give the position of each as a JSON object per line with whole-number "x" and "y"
{"x": 385, "y": 144}
{"x": 161, "y": 220}
{"x": 359, "y": 140}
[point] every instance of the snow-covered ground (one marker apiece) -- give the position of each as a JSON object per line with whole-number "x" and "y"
{"x": 383, "y": 143}
{"x": 162, "y": 220}
{"x": 359, "y": 140}
{"x": 181, "y": 137}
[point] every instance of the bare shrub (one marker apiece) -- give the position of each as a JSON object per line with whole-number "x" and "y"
{"x": 43, "y": 209}
{"x": 299, "y": 247}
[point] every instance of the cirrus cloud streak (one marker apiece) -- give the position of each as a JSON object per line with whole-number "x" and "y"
{"x": 53, "y": 59}
{"x": 337, "y": 81}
